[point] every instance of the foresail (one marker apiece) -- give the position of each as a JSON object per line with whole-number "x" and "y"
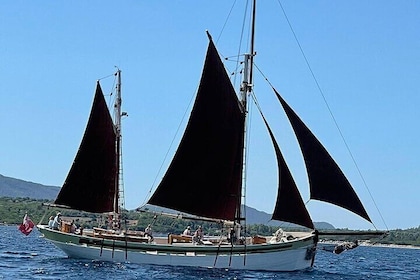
{"x": 326, "y": 180}
{"x": 204, "y": 177}
{"x": 289, "y": 205}
{"x": 90, "y": 184}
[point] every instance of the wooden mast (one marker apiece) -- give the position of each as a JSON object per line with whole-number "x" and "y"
{"x": 246, "y": 88}
{"x": 117, "y": 109}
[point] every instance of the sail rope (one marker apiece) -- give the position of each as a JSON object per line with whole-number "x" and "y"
{"x": 240, "y": 41}
{"x": 331, "y": 113}
{"x": 239, "y": 53}
{"x": 226, "y": 21}
{"x": 110, "y": 75}
{"x": 47, "y": 212}
{"x": 170, "y": 147}
{"x": 111, "y": 92}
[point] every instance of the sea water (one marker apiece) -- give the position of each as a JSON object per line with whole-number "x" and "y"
{"x": 33, "y": 257}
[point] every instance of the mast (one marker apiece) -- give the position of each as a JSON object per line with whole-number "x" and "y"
{"x": 246, "y": 88}
{"x": 117, "y": 111}
{"x": 252, "y": 52}
{"x": 247, "y": 85}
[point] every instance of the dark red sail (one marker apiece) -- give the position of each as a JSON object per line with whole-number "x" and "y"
{"x": 289, "y": 205}
{"x": 326, "y": 180}
{"x": 204, "y": 178}
{"x": 90, "y": 184}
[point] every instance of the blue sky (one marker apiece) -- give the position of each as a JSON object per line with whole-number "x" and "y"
{"x": 364, "y": 54}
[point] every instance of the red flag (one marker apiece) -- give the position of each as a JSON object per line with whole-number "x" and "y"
{"x": 27, "y": 225}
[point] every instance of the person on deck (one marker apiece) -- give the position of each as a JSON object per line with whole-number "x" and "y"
{"x": 51, "y": 222}
{"x": 148, "y": 232}
{"x": 187, "y": 231}
{"x": 198, "y": 236}
{"x": 231, "y": 236}
{"x": 73, "y": 227}
{"x": 57, "y": 221}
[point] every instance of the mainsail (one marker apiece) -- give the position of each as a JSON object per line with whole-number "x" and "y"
{"x": 204, "y": 178}
{"x": 326, "y": 180}
{"x": 205, "y": 175}
{"x": 90, "y": 184}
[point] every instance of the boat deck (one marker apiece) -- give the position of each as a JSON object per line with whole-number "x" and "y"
{"x": 180, "y": 240}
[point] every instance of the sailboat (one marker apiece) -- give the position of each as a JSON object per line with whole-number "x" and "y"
{"x": 210, "y": 157}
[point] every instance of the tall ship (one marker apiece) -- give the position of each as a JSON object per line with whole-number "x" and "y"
{"x": 211, "y": 157}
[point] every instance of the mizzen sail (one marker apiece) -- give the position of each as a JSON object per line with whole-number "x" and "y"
{"x": 90, "y": 184}
{"x": 205, "y": 175}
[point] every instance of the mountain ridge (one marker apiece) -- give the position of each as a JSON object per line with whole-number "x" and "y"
{"x": 12, "y": 187}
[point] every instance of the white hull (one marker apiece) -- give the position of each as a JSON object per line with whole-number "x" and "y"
{"x": 288, "y": 256}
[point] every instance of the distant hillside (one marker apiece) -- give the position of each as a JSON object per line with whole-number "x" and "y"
{"x": 253, "y": 217}
{"x": 11, "y": 187}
